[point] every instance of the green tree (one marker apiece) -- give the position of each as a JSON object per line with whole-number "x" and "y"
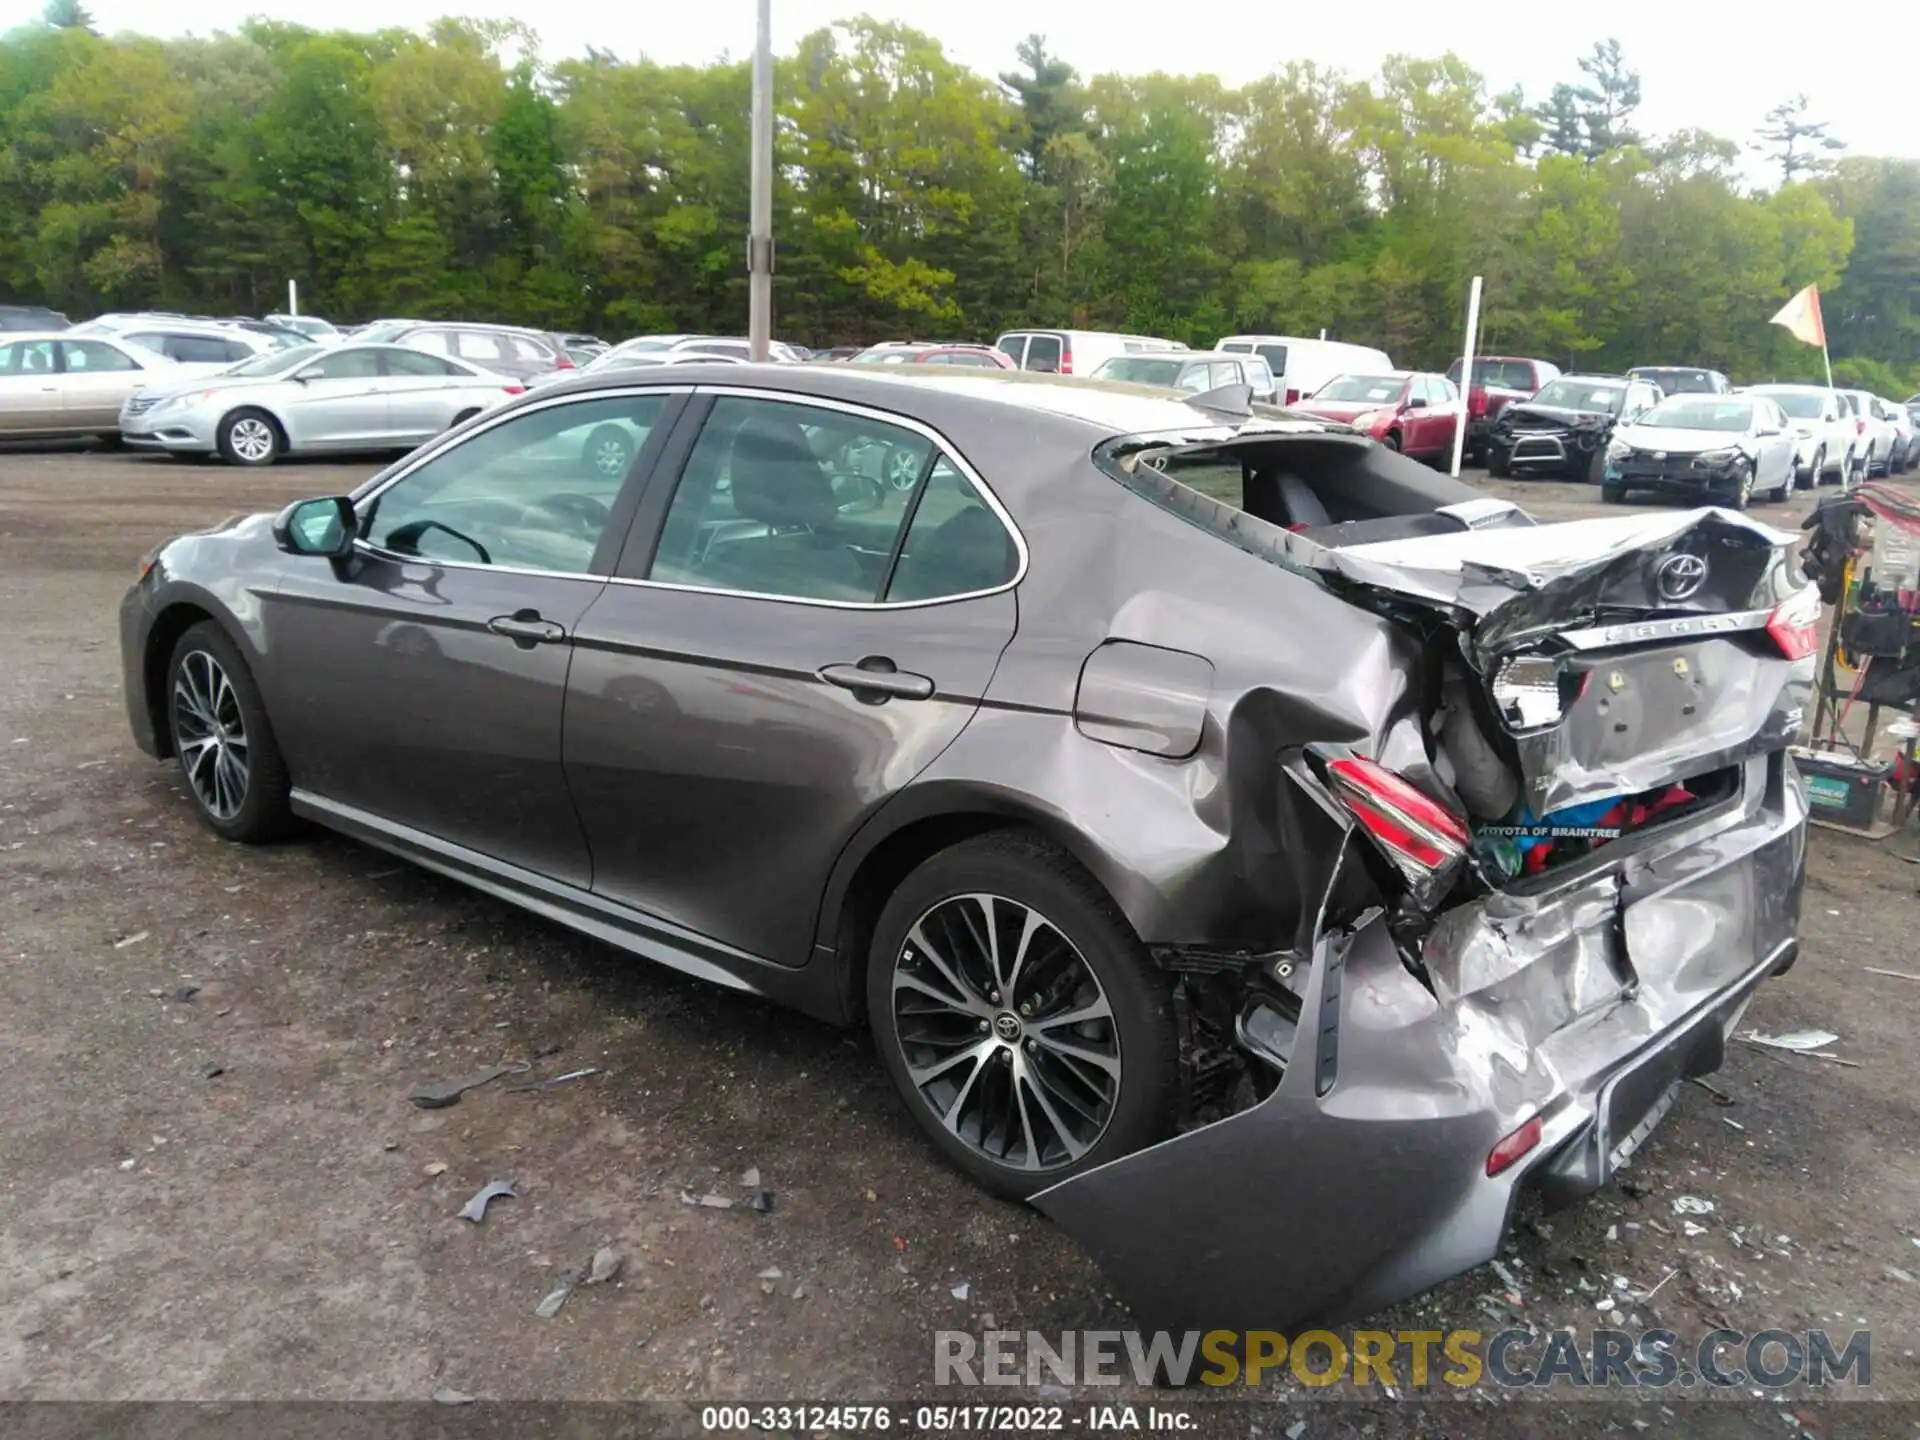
{"x": 67, "y": 15}
{"x": 1798, "y": 145}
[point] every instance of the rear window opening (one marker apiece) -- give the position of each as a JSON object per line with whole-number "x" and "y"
{"x": 1519, "y": 846}
{"x": 1333, "y": 488}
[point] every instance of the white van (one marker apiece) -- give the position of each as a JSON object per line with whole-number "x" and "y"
{"x": 1074, "y": 352}
{"x": 1300, "y": 367}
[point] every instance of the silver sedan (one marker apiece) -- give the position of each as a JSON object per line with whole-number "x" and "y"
{"x": 314, "y": 399}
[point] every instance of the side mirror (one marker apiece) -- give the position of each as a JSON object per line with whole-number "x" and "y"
{"x": 1418, "y": 402}
{"x": 327, "y": 526}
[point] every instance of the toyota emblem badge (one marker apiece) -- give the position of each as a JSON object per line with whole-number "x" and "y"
{"x": 1680, "y": 576}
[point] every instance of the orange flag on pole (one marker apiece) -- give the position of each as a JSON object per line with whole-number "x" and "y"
{"x": 1801, "y": 317}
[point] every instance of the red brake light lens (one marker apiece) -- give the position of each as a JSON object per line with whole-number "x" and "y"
{"x": 1420, "y": 835}
{"x": 1795, "y": 624}
{"x": 1066, "y": 359}
{"x": 513, "y": 389}
{"x": 1510, "y": 1148}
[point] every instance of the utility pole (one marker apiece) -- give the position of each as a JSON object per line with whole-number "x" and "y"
{"x": 760, "y": 223}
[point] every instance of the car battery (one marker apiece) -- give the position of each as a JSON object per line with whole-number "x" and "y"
{"x": 1841, "y": 790}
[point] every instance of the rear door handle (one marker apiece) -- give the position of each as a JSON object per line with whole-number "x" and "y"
{"x": 876, "y": 679}
{"x": 526, "y": 629}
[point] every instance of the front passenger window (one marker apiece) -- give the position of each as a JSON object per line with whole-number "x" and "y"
{"x": 533, "y": 492}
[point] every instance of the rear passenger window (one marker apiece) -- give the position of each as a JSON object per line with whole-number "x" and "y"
{"x": 1043, "y": 353}
{"x": 782, "y": 499}
{"x": 956, "y": 545}
{"x": 1013, "y": 347}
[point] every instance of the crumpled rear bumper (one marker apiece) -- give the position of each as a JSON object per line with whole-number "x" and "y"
{"x": 1362, "y": 1178}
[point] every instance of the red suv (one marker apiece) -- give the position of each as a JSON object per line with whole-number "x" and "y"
{"x": 1498, "y": 381}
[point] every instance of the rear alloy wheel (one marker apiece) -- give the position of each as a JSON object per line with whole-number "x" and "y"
{"x": 1019, "y": 1016}
{"x": 222, "y": 740}
{"x": 609, "y": 452}
{"x": 249, "y": 437}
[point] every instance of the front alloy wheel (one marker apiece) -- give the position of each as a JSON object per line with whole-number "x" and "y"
{"x": 211, "y": 735}
{"x": 223, "y": 740}
{"x": 1007, "y": 1033}
{"x": 1743, "y": 487}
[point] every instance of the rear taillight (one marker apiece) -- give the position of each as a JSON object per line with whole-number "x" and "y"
{"x": 1859, "y": 426}
{"x": 1509, "y": 1148}
{"x": 1477, "y": 401}
{"x": 513, "y": 389}
{"x": 1066, "y": 359}
{"x": 1293, "y": 397}
{"x": 1795, "y": 624}
{"x": 1422, "y": 838}
{"x": 566, "y": 363}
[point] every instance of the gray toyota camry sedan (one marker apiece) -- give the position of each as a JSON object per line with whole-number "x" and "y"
{"x": 1266, "y": 856}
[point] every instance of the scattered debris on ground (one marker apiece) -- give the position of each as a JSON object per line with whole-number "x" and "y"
{"x": 438, "y": 1094}
{"x": 476, "y": 1208}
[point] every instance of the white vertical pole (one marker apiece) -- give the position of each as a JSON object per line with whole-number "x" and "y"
{"x": 1323, "y": 332}
{"x": 293, "y": 297}
{"x": 1466, "y": 373}
{"x": 760, "y": 218}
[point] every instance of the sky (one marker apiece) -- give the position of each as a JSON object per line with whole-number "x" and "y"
{"x": 1703, "y": 66}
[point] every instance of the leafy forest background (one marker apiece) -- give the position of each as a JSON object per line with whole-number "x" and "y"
{"x": 449, "y": 174}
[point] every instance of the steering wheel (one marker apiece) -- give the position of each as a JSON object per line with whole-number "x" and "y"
{"x": 585, "y": 511}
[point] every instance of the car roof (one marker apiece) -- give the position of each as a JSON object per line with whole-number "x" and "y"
{"x": 1097, "y": 409}
{"x": 1597, "y": 375}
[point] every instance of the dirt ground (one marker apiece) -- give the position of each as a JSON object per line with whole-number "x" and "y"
{"x": 286, "y": 1228}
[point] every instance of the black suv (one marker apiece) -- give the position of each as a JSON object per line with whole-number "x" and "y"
{"x": 1565, "y": 428}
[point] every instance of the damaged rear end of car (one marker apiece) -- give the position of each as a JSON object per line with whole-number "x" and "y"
{"x": 1536, "y": 900}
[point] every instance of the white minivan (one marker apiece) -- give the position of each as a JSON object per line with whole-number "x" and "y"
{"x": 1300, "y": 367}
{"x": 1074, "y": 352}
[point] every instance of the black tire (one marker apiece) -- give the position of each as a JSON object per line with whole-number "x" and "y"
{"x": 1597, "y": 467}
{"x": 1613, "y": 494}
{"x": 608, "y": 451}
{"x": 1742, "y": 496}
{"x": 1392, "y": 440}
{"x": 263, "y": 812}
{"x": 1818, "y": 469}
{"x": 1498, "y": 466}
{"x": 250, "y": 437}
{"x": 1024, "y": 868}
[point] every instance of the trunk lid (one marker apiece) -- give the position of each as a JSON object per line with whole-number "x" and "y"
{"x": 1610, "y": 657}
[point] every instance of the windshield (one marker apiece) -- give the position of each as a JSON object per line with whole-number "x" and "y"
{"x": 273, "y": 362}
{"x": 1140, "y": 370}
{"x": 1678, "y": 382}
{"x": 1582, "y": 395}
{"x": 1500, "y": 374}
{"x": 1688, "y": 413}
{"x": 1796, "y": 404}
{"x": 1370, "y": 389}
{"x": 376, "y": 333}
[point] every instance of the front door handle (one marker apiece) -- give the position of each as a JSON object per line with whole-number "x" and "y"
{"x": 526, "y": 629}
{"x": 877, "y": 679}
